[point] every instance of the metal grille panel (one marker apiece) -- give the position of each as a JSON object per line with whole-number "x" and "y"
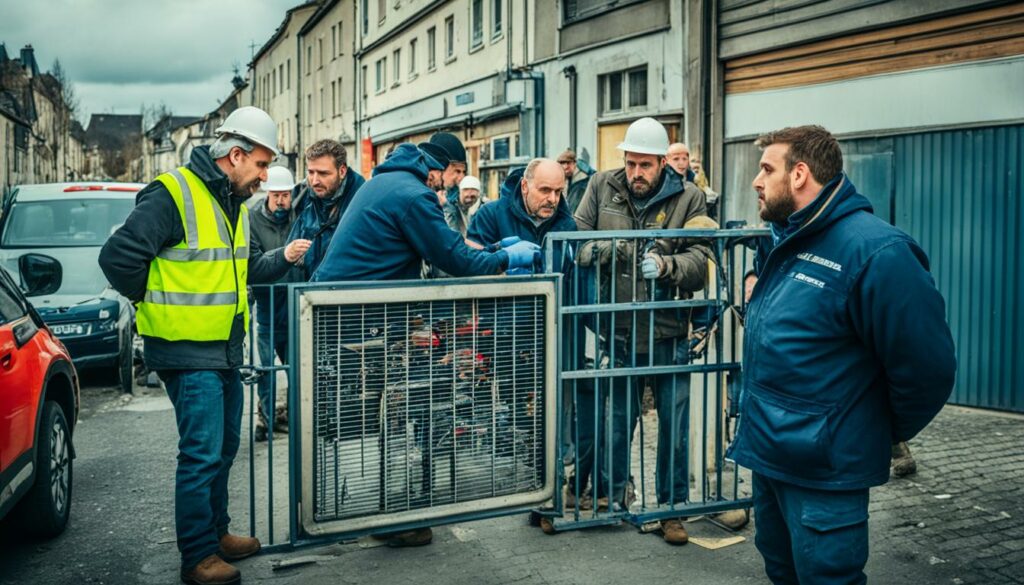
{"x": 419, "y": 408}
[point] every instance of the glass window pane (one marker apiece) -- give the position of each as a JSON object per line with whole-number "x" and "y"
{"x": 638, "y": 88}
{"x": 615, "y": 92}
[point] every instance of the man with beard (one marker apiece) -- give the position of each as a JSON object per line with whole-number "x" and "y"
{"x": 646, "y": 194}
{"x": 185, "y": 256}
{"x": 330, "y": 188}
{"x": 846, "y": 350}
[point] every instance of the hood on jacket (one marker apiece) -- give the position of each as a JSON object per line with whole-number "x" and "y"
{"x": 837, "y": 199}
{"x": 670, "y": 184}
{"x": 510, "y": 188}
{"x": 406, "y": 157}
{"x": 201, "y": 163}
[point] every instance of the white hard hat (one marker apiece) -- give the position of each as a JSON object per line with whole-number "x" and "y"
{"x": 278, "y": 179}
{"x": 253, "y": 124}
{"x": 645, "y": 136}
{"x": 469, "y": 182}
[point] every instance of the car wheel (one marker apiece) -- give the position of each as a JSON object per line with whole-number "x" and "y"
{"x": 126, "y": 364}
{"x": 47, "y": 505}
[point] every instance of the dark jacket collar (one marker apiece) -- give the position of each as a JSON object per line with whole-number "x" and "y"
{"x": 202, "y": 164}
{"x": 837, "y": 199}
{"x": 670, "y": 184}
{"x": 510, "y": 191}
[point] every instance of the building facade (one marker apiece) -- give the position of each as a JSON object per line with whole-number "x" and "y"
{"x": 274, "y": 76}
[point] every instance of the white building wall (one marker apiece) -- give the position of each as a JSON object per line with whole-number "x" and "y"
{"x": 334, "y": 74}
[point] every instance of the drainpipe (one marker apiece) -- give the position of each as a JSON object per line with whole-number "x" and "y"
{"x": 570, "y": 74}
{"x": 538, "y": 106}
{"x": 298, "y": 99}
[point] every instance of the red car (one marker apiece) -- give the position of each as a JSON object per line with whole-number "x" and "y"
{"x": 38, "y": 404}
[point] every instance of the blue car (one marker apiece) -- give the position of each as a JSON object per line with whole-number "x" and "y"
{"x": 70, "y": 222}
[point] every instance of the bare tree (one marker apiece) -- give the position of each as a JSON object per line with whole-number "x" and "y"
{"x": 68, "y": 93}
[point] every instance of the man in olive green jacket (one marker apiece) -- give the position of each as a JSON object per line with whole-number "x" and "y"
{"x": 645, "y": 194}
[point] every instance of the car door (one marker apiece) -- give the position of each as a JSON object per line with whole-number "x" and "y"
{"x": 21, "y": 376}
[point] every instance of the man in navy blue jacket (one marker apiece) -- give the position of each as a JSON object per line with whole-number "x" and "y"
{"x": 531, "y": 205}
{"x": 330, "y": 188}
{"x": 846, "y": 351}
{"x": 395, "y": 222}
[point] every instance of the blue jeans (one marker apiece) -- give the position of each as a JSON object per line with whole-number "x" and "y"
{"x": 610, "y": 436}
{"x": 267, "y": 359}
{"x": 208, "y": 410}
{"x": 810, "y": 536}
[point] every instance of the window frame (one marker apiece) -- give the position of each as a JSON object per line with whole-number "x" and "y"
{"x": 497, "y": 20}
{"x": 413, "y": 73}
{"x": 476, "y": 17}
{"x": 449, "y": 38}
{"x": 432, "y": 49}
{"x": 604, "y": 94}
{"x": 396, "y": 67}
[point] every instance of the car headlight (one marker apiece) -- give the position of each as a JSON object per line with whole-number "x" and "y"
{"x": 104, "y": 325}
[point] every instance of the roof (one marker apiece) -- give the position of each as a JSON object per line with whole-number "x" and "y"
{"x": 318, "y": 16}
{"x": 112, "y": 130}
{"x": 85, "y": 190}
{"x": 10, "y": 107}
{"x": 280, "y": 30}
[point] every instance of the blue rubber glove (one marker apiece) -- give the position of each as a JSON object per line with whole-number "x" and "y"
{"x": 651, "y": 265}
{"x": 522, "y": 255}
{"x": 504, "y": 243}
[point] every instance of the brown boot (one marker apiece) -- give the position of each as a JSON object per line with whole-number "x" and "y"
{"x": 674, "y": 532}
{"x": 236, "y": 548}
{"x": 211, "y": 571}
{"x": 903, "y": 463}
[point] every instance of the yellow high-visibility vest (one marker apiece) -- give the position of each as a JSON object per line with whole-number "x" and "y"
{"x": 197, "y": 287}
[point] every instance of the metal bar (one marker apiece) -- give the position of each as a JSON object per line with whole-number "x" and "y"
{"x": 648, "y": 371}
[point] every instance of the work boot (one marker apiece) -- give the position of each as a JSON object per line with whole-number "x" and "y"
{"x": 674, "y": 532}
{"x": 418, "y": 537}
{"x": 547, "y": 525}
{"x": 211, "y": 571}
{"x": 903, "y": 463}
{"x": 733, "y": 519}
{"x": 236, "y": 548}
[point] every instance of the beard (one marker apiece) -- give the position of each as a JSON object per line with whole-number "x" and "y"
{"x": 778, "y": 209}
{"x": 640, "y": 187}
{"x": 245, "y": 190}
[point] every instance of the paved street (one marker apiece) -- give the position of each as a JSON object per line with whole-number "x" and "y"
{"x": 960, "y": 520}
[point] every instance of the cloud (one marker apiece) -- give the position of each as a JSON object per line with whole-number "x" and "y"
{"x": 115, "y": 51}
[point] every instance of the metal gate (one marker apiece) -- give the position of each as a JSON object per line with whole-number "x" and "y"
{"x": 648, "y": 377}
{"x": 423, "y": 402}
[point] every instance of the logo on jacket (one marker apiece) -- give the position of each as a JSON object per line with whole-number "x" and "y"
{"x": 808, "y": 257}
{"x": 660, "y": 218}
{"x": 809, "y": 280}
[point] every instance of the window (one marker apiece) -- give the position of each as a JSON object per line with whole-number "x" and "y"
{"x": 273, "y": 83}
{"x": 396, "y": 67}
{"x": 309, "y": 109}
{"x": 496, "y": 16}
{"x": 280, "y": 78}
{"x": 573, "y": 10}
{"x": 382, "y": 66}
{"x": 323, "y": 105}
{"x": 363, "y": 85}
{"x": 334, "y": 99}
{"x": 476, "y": 15}
{"x": 341, "y": 45}
{"x": 334, "y": 42}
{"x": 339, "y": 96}
{"x": 288, "y": 76}
{"x": 320, "y": 53}
{"x": 366, "y": 16}
{"x": 10, "y": 306}
{"x": 449, "y": 38}
{"x": 412, "y": 58}
{"x": 309, "y": 59}
{"x": 431, "y": 48}
{"x": 382, "y": 9}
{"x": 623, "y": 91}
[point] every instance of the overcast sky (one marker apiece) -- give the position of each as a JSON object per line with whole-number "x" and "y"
{"x": 121, "y": 54}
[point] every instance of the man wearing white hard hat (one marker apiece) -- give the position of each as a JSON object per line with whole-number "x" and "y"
{"x": 645, "y": 194}
{"x": 271, "y": 218}
{"x": 185, "y": 258}
{"x": 458, "y": 211}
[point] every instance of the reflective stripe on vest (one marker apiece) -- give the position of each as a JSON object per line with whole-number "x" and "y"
{"x": 197, "y": 287}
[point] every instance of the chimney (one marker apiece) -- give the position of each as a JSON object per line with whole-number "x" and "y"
{"x": 28, "y": 60}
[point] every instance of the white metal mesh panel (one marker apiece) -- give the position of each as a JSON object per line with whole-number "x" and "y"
{"x": 425, "y": 405}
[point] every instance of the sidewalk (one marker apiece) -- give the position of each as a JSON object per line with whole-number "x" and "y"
{"x": 959, "y": 520}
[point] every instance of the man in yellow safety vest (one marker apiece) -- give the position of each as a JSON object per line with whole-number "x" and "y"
{"x": 185, "y": 256}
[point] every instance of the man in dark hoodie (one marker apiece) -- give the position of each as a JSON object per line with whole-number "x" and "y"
{"x": 395, "y": 222}
{"x": 184, "y": 256}
{"x": 846, "y": 351}
{"x": 532, "y": 204}
{"x": 646, "y": 194}
{"x": 330, "y": 188}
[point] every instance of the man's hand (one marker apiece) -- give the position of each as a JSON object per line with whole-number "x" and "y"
{"x": 522, "y": 255}
{"x": 600, "y": 252}
{"x": 653, "y": 266}
{"x": 295, "y": 250}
